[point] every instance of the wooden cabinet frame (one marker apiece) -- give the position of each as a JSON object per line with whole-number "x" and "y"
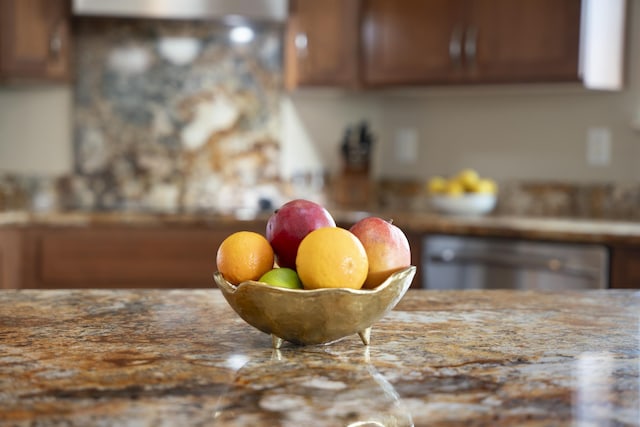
{"x": 35, "y": 38}
{"x": 625, "y": 267}
{"x": 112, "y": 256}
{"x": 379, "y": 43}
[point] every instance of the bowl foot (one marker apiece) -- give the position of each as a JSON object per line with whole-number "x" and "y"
{"x": 365, "y": 335}
{"x": 276, "y": 342}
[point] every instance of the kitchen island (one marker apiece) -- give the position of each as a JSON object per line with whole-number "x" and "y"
{"x": 183, "y": 357}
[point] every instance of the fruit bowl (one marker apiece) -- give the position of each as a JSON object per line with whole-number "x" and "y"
{"x": 464, "y": 204}
{"x": 318, "y": 316}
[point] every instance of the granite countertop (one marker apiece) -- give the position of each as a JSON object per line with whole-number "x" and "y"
{"x": 183, "y": 357}
{"x": 541, "y": 228}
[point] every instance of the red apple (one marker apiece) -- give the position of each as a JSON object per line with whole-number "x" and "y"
{"x": 290, "y": 224}
{"x": 387, "y": 248}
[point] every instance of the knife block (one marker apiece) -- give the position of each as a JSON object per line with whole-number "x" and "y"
{"x": 352, "y": 189}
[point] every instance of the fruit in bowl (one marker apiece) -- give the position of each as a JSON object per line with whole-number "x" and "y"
{"x": 291, "y": 223}
{"x": 387, "y": 248}
{"x": 332, "y": 257}
{"x": 466, "y": 193}
{"x": 343, "y": 280}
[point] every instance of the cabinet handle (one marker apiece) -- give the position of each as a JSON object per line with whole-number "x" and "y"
{"x": 301, "y": 43}
{"x": 471, "y": 45}
{"x": 455, "y": 46}
{"x": 55, "y": 42}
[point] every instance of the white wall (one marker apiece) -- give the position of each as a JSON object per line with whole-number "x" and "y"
{"x": 35, "y": 130}
{"x": 521, "y": 135}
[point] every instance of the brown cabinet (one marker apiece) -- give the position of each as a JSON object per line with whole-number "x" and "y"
{"x": 412, "y": 41}
{"x": 112, "y": 257}
{"x": 11, "y": 259}
{"x": 470, "y": 41}
{"x": 321, "y": 46}
{"x": 122, "y": 256}
{"x": 625, "y": 267}
{"x": 526, "y": 40}
{"x": 376, "y": 43}
{"x": 34, "y": 40}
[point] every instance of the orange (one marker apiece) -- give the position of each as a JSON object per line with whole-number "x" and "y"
{"x": 244, "y": 255}
{"x": 331, "y": 257}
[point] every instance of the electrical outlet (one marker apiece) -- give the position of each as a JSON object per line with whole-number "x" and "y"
{"x": 598, "y": 146}
{"x": 406, "y": 143}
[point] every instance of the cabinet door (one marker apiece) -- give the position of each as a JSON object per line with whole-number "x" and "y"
{"x": 625, "y": 267}
{"x": 34, "y": 39}
{"x": 523, "y": 40}
{"x": 124, "y": 257}
{"x": 11, "y": 258}
{"x": 412, "y": 41}
{"x": 322, "y": 43}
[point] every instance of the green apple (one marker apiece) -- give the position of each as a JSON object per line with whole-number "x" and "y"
{"x": 282, "y": 277}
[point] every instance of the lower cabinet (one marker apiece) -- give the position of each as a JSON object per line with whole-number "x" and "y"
{"x": 415, "y": 243}
{"x": 112, "y": 257}
{"x": 11, "y": 258}
{"x": 165, "y": 256}
{"x": 625, "y": 267}
{"x": 121, "y": 256}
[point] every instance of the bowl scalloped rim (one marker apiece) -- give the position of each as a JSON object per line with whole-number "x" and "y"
{"x": 263, "y": 306}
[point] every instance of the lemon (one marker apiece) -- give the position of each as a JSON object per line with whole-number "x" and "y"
{"x": 436, "y": 185}
{"x": 472, "y": 187}
{"x": 282, "y": 277}
{"x": 454, "y": 188}
{"x": 332, "y": 257}
{"x": 468, "y": 178}
{"x": 487, "y": 186}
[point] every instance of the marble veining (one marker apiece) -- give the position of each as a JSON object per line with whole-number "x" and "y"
{"x": 173, "y": 115}
{"x": 442, "y": 358}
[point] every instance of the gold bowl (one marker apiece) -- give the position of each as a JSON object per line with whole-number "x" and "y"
{"x": 316, "y": 316}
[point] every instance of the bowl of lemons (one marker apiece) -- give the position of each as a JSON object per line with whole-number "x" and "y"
{"x": 466, "y": 193}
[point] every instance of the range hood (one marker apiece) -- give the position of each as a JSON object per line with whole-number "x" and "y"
{"x": 226, "y": 10}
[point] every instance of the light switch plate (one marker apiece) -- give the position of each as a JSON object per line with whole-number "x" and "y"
{"x": 406, "y": 145}
{"x": 598, "y": 146}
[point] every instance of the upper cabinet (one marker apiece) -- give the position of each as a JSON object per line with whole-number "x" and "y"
{"x": 34, "y": 40}
{"x": 322, "y": 43}
{"x": 524, "y": 40}
{"x": 470, "y": 41}
{"x": 412, "y": 41}
{"x": 429, "y": 42}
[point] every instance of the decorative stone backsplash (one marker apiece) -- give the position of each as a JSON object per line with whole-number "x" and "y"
{"x": 557, "y": 199}
{"x": 619, "y": 201}
{"x": 174, "y": 116}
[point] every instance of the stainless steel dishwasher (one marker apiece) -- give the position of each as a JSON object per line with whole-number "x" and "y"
{"x": 461, "y": 262}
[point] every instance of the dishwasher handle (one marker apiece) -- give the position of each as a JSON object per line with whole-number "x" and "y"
{"x": 515, "y": 261}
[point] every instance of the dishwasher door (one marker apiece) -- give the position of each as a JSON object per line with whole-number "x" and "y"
{"x": 461, "y": 262}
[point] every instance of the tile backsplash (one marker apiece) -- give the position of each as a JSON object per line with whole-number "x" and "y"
{"x": 172, "y": 115}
